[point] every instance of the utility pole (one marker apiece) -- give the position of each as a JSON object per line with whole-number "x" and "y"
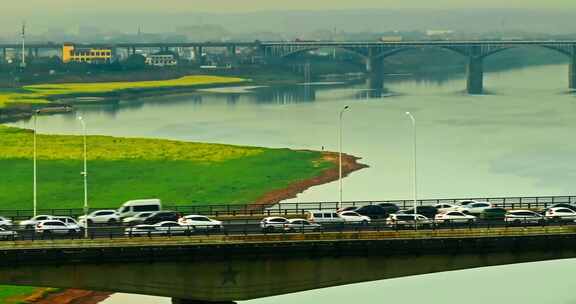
{"x": 23, "y": 52}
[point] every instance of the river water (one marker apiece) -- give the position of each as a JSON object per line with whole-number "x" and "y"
{"x": 516, "y": 140}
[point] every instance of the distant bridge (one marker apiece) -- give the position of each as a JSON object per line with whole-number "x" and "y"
{"x": 373, "y": 52}
{"x": 225, "y": 268}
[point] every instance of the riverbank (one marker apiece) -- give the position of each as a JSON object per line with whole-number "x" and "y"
{"x": 22, "y": 102}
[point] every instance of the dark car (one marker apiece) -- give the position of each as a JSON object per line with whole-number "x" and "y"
{"x": 427, "y": 211}
{"x": 162, "y": 216}
{"x": 390, "y": 207}
{"x": 372, "y": 211}
{"x": 493, "y": 214}
{"x": 349, "y": 208}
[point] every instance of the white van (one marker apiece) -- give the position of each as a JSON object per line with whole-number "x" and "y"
{"x": 323, "y": 216}
{"x": 130, "y": 208}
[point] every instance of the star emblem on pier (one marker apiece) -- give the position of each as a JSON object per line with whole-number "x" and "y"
{"x": 229, "y": 276}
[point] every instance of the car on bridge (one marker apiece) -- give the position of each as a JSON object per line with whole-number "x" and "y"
{"x": 523, "y": 217}
{"x": 324, "y": 216}
{"x": 31, "y": 223}
{"x": 5, "y": 223}
{"x": 562, "y": 205}
{"x": 389, "y": 207}
{"x": 200, "y": 222}
{"x": 352, "y": 217}
{"x": 560, "y": 214}
{"x": 444, "y": 207}
{"x": 56, "y": 227}
{"x": 372, "y": 211}
{"x": 474, "y": 208}
{"x": 162, "y": 216}
{"x": 493, "y": 214}
{"x": 6, "y": 234}
{"x": 454, "y": 217}
{"x": 100, "y": 217}
{"x": 427, "y": 211}
{"x": 397, "y": 221}
{"x": 162, "y": 228}
{"x": 136, "y": 219}
{"x": 301, "y": 225}
{"x": 272, "y": 223}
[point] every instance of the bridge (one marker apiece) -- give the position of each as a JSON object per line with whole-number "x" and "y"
{"x": 223, "y": 268}
{"x": 241, "y": 262}
{"x": 372, "y": 52}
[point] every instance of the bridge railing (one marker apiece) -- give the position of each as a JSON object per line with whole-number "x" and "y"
{"x": 295, "y": 208}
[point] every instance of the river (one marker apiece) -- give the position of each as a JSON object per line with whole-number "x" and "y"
{"x": 516, "y": 140}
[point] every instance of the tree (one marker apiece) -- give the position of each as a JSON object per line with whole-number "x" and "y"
{"x": 135, "y": 62}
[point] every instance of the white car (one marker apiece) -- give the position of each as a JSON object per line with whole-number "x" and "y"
{"x": 454, "y": 217}
{"x": 272, "y": 223}
{"x": 70, "y": 222}
{"x": 137, "y": 219}
{"x": 31, "y": 223}
{"x": 523, "y": 217}
{"x": 301, "y": 225}
{"x": 446, "y": 207}
{"x": 55, "y": 227}
{"x": 353, "y": 217}
{"x": 7, "y": 234}
{"x": 110, "y": 217}
{"x": 407, "y": 220}
{"x": 162, "y": 228}
{"x": 4, "y": 222}
{"x": 323, "y": 216}
{"x": 200, "y": 222}
{"x": 475, "y": 207}
{"x": 560, "y": 214}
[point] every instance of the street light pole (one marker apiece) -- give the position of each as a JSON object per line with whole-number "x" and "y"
{"x": 340, "y": 155}
{"x": 413, "y": 120}
{"x": 85, "y": 174}
{"x": 35, "y": 188}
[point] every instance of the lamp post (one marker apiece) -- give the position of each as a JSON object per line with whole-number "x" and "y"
{"x": 35, "y": 187}
{"x": 340, "y": 154}
{"x": 85, "y": 175}
{"x": 413, "y": 120}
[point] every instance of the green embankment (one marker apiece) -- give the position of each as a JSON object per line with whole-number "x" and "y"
{"x": 121, "y": 169}
{"x": 40, "y": 94}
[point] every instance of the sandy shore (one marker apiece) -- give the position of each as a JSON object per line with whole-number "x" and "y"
{"x": 349, "y": 165}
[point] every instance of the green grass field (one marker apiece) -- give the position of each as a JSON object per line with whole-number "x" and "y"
{"x": 121, "y": 169}
{"x": 39, "y": 94}
{"x": 15, "y": 294}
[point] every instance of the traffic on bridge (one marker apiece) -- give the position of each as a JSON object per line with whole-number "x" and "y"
{"x": 131, "y": 221}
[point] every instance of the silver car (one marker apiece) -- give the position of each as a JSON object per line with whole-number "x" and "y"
{"x": 519, "y": 217}
{"x": 301, "y": 225}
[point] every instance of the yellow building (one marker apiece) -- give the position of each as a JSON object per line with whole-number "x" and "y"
{"x": 93, "y": 55}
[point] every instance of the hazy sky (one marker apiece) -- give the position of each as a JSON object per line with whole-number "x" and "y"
{"x": 54, "y": 6}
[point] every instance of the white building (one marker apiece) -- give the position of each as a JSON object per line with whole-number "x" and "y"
{"x": 161, "y": 60}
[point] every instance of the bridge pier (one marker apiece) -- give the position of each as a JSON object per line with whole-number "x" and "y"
{"x": 572, "y": 76}
{"x": 475, "y": 71}
{"x": 184, "y": 301}
{"x": 375, "y": 71}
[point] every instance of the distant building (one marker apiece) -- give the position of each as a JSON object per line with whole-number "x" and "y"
{"x": 162, "y": 59}
{"x": 93, "y": 55}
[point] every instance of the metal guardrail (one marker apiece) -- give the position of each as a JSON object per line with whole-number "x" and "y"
{"x": 524, "y": 202}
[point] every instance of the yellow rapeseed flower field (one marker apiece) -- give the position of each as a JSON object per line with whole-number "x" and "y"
{"x": 17, "y": 143}
{"x": 35, "y": 94}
